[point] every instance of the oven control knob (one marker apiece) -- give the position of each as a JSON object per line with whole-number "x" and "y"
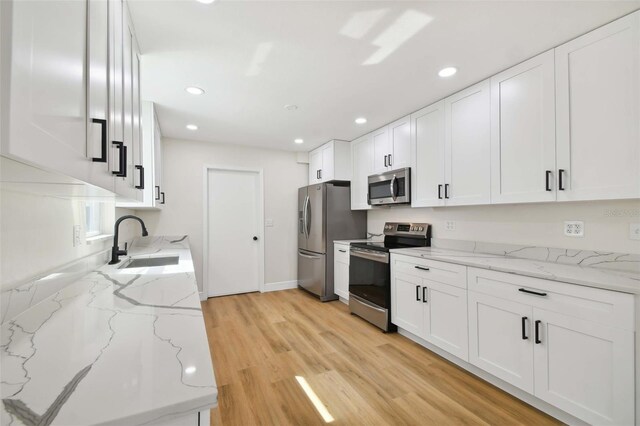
{"x": 420, "y": 228}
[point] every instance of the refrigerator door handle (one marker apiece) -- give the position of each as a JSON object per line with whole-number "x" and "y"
{"x": 309, "y": 256}
{"x": 308, "y": 216}
{"x": 304, "y": 216}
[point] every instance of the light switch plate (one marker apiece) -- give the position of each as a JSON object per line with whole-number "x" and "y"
{"x": 268, "y": 222}
{"x": 450, "y": 225}
{"x": 634, "y": 231}
{"x": 76, "y": 235}
{"x": 574, "y": 228}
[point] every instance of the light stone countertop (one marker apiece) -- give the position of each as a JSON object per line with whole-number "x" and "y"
{"x": 624, "y": 281}
{"x": 119, "y": 346}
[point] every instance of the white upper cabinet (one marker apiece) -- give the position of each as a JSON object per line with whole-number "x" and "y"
{"x": 362, "y": 167}
{"x": 468, "y": 146}
{"x": 523, "y": 139}
{"x": 331, "y": 161}
{"x": 47, "y": 103}
{"x": 598, "y": 113}
{"x": 427, "y": 148}
{"x": 392, "y": 146}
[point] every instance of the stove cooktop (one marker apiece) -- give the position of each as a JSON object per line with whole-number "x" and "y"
{"x": 383, "y": 245}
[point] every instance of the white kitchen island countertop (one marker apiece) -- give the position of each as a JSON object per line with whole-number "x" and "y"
{"x": 117, "y": 347}
{"x": 624, "y": 281}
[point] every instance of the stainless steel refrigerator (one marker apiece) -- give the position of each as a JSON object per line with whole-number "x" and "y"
{"x": 324, "y": 215}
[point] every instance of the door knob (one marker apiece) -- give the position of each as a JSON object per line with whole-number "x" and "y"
{"x": 255, "y": 238}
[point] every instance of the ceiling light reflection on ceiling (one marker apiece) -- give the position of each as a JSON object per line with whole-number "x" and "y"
{"x": 298, "y": 140}
{"x": 192, "y": 127}
{"x": 320, "y": 407}
{"x": 361, "y": 22}
{"x": 447, "y": 72}
{"x": 194, "y": 90}
{"x": 205, "y": 1}
{"x": 259, "y": 57}
{"x": 402, "y": 29}
{"x": 361, "y": 120}
{"x": 291, "y": 107}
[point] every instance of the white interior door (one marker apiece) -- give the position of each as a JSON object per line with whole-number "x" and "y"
{"x": 234, "y": 232}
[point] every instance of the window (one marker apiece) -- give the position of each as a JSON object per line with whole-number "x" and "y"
{"x": 93, "y": 218}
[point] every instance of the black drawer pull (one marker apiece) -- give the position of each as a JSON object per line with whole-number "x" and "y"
{"x": 524, "y": 328}
{"x": 141, "y": 168}
{"x": 538, "y": 341}
{"x": 157, "y": 192}
{"x": 122, "y": 159}
{"x": 162, "y": 195}
{"x": 547, "y": 182}
{"x": 422, "y": 268}
{"x": 446, "y": 190}
{"x": 537, "y": 293}
{"x": 385, "y": 161}
{"x": 418, "y": 293}
{"x": 342, "y": 251}
{"x": 424, "y": 295}
{"x": 103, "y": 140}
{"x": 560, "y": 181}
{"x": 440, "y": 192}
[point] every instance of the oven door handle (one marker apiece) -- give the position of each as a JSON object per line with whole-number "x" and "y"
{"x": 392, "y": 186}
{"x": 367, "y": 303}
{"x": 376, "y": 257}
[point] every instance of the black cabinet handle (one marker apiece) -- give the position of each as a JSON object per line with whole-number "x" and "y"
{"x": 385, "y": 161}
{"x": 320, "y": 172}
{"x": 538, "y": 341}
{"x": 157, "y": 192}
{"x": 537, "y": 293}
{"x": 342, "y": 251}
{"x": 122, "y": 159}
{"x": 422, "y": 268}
{"x": 389, "y": 160}
{"x": 524, "y": 328}
{"x": 547, "y": 183}
{"x": 439, "y": 192}
{"x": 424, "y": 295}
{"x": 446, "y": 190}
{"x": 103, "y": 140}
{"x": 560, "y": 181}
{"x": 141, "y": 168}
{"x": 162, "y": 195}
{"x": 418, "y": 293}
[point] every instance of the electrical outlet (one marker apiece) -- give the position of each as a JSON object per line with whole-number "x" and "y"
{"x": 574, "y": 228}
{"x": 634, "y": 231}
{"x": 450, "y": 225}
{"x": 76, "y": 235}
{"x": 268, "y": 222}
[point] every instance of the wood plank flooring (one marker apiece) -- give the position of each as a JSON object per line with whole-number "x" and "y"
{"x": 260, "y": 343}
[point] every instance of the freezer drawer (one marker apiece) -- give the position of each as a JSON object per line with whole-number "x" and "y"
{"x": 312, "y": 272}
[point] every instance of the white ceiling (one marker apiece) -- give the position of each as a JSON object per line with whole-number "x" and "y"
{"x": 336, "y": 60}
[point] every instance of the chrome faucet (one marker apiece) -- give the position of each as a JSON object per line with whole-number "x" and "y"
{"x": 115, "y": 250}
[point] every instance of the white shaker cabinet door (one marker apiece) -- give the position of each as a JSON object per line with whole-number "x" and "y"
{"x": 381, "y": 150}
{"x": 523, "y": 138}
{"x": 362, "y": 167}
{"x": 446, "y": 323}
{"x": 47, "y": 105}
{"x": 584, "y": 368}
{"x": 399, "y": 144}
{"x": 427, "y": 147}
{"x": 407, "y": 307}
{"x": 500, "y": 338}
{"x": 315, "y": 166}
{"x": 598, "y": 113}
{"x": 328, "y": 166}
{"x": 468, "y": 146}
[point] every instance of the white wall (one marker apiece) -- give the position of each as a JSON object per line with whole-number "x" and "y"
{"x": 183, "y": 164}
{"x": 606, "y": 223}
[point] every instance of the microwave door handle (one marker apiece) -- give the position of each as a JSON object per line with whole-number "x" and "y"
{"x": 392, "y": 186}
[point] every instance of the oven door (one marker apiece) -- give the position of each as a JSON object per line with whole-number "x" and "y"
{"x": 370, "y": 276}
{"x": 390, "y": 188}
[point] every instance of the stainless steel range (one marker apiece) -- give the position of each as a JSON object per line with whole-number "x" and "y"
{"x": 370, "y": 271}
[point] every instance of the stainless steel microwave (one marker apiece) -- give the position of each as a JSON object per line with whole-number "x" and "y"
{"x": 393, "y": 187}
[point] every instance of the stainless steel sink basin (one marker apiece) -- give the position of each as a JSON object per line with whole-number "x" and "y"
{"x": 149, "y": 262}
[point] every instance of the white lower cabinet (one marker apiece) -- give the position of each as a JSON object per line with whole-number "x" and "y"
{"x": 428, "y": 299}
{"x": 341, "y": 270}
{"x": 568, "y": 345}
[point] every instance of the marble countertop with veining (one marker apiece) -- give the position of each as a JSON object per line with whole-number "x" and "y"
{"x": 624, "y": 281}
{"x": 119, "y": 346}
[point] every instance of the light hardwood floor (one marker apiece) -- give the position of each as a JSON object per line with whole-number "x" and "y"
{"x": 261, "y": 342}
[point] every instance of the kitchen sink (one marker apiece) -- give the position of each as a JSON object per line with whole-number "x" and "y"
{"x": 149, "y": 262}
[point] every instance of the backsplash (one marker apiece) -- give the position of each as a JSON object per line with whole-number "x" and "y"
{"x": 587, "y": 258}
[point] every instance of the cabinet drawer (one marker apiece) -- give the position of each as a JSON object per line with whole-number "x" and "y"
{"x": 442, "y": 272}
{"x": 604, "y": 307}
{"x": 341, "y": 253}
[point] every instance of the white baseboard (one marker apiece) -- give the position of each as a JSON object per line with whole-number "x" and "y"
{"x": 203, "y": 296}
{"x": 282, "y": 285}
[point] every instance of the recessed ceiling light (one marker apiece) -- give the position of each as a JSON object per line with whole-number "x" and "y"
{"x": 206, "y": 1}
{"x": 192, "y": 127}
{"x": 447, "y": 72}
{"x": 298, "y": 140}
{"x": 194, "y": 90}
{"x": 291, "y": 107}
{"x": 361, "y": 120}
